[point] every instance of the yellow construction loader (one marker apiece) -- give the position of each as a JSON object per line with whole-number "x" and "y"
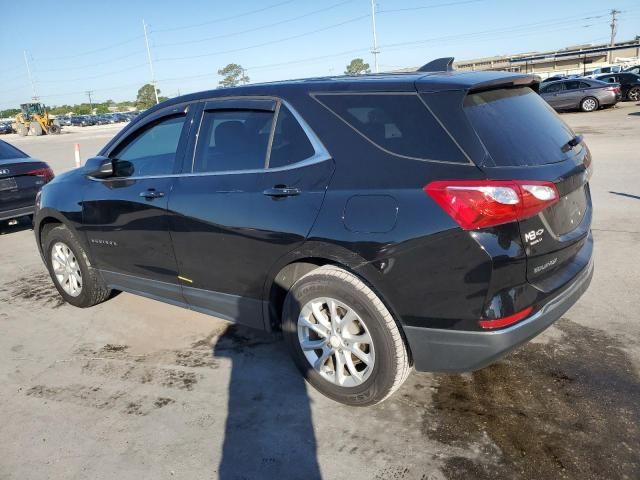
{"x": 34, "y": 120}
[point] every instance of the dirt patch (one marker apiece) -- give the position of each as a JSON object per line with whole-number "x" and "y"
{"x": 565, "y": 409}
{"x": 37, "y": 287}
{"x": 100, "y": 399}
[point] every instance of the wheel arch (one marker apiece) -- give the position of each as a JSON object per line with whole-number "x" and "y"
{"x": 294, "y": 266}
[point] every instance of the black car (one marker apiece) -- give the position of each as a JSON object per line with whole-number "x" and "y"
{"x": 634, "y": 69}
{"x": 21, "y": 177}
{"x": 81, "y": 121}
{"x": 5, "y": 127}
{"x": 433, "y": 220}
{"x": 629, "y": 84}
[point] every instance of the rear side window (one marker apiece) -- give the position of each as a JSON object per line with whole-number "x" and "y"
{"x": 8, "y": 152}
{"x": 231, "y": 140}
{"x": 398, "y": 123}
{"x": 584, "y": 85}
{"x": 290, "y": 142}
{"x": 517, "y": 127}
{"x": 572, "y": 85}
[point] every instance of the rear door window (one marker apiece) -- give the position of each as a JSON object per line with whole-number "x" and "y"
{"x": 397, "y": 123}
{"x": 517, "y": 126}
{"x": 572, "y": 85}
{"x": 231, "y": 140}
{"x": 290, "y": 142}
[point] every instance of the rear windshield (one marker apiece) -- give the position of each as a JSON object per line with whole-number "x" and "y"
{"x": 8, "y": 152}
{"x": 397, "y": 123}
{"x": 517, "y": 127}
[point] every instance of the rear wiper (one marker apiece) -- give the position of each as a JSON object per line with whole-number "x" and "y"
{"x": 574, "y": 142}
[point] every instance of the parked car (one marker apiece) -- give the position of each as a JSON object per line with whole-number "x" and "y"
{"x": 629, "y": 84}
{"x": 21, "y": 177}
{"x": 82, "y": 121}
{"x": 585, "y": 94}
{"x": 434, "y": 220}
{"x": 635, "y": 69}
{"x": 64, "y": 121}
{"x": 5, "y": 127}
{"x": 608, "y": 69}
{"x": 554, "y": 78}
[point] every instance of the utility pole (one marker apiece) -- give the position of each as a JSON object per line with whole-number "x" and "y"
{"x": 614, "y": 28}
{"x": 89, "y": 93}
{"x": 33, "y": 85}
{"x": 153, "y": 79}
{"x": 374, "y": 50}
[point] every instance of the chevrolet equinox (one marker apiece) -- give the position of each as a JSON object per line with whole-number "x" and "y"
{"x": 434, "y": 219}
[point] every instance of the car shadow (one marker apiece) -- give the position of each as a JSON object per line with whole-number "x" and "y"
{"x": 628, "y": 195}
{"x": 269, "y": 430}
{"x": 23, "y": 223}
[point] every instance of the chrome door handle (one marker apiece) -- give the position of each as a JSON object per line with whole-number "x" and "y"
{"x": 151, "y": 194}
{"x": 282, "y": 191}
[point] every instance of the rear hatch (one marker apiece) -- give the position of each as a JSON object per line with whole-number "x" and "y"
{"x": 526, "y": 140}
{"x": 20, "y": 178}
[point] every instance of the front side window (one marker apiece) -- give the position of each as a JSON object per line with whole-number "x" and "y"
{"x": 231, "y": 140}
{"x": 398, "y": 123}
{"x": 152, "y": 151}
{"x": 554, "y": 88}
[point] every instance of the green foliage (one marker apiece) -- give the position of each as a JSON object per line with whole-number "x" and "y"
{"x": 357, "y": 67}
{"x": 9, "y": 112}
{"x": 233, "y": 75}
{"x": 146, "y": 97}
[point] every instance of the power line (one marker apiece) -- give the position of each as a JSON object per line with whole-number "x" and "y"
{"x": 224, "y": 19}
{"x": 424, "y": 7}
{"x": 91, "y": 52}
{"x": 255, "y": 29}
{"x": 262, "y": 44}
{"x": 79, "y": 67}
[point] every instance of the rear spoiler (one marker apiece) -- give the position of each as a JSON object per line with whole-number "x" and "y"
{"x": 471, "y": 81}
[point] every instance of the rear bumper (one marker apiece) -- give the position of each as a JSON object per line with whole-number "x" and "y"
{"x": 17, "y": 212}
{"x": 454, "y": 351}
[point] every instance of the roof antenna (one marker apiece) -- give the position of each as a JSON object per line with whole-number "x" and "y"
{"x": 444, "y": 64}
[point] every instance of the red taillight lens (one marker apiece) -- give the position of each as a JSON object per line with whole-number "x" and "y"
{"x": 44, "y": 172}
{"x": 486, "y": 203}
{"x": 504, "y": 321}
{"x": 613, "y": 89}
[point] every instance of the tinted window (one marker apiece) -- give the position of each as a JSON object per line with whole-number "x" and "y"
{"x": 152, "y": 151}
{"x": 572, "y": 85}
{"x": 290, "y": 143}
{"x": 517, "y": 126}
{"x": 554, "y": 87}
{"x": 400, "y": 124}
{"x": 584, "y": 85}
{"x": 8, "y": 151}
{"x": 233, "y": 140}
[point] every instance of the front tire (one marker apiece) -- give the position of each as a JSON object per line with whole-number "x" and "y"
{"x": 589, "y": 104}
{"x": 343, "y": 338}
{"x": 76, "y": 281}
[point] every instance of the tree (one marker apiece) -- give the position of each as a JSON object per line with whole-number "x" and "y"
{"x": 357, "y": 67}
{"x": 146, "y": 97}
{"x": 233, "y": 75}
{"x": 10, "y": 112}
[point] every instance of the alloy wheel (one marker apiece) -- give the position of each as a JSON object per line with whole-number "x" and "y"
{"x": 336, "y": 342}
{"x": 66, "y": 269}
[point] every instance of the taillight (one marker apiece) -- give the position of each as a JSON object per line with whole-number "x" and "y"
{"x": 504, "y": 321}
{"x": 44, "y": 172}
{"x": 486, "y": 203}
{"x": 613, "y": 89}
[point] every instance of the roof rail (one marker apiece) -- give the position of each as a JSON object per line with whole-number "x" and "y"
{"x": 444, "y": 64}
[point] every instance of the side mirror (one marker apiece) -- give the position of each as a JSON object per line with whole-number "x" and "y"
{"x": 99, "y": 167}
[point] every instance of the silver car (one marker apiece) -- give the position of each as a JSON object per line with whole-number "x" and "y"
{"x": 580, "y": 93}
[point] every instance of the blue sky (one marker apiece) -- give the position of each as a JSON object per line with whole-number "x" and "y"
{"x": 99, "y": 46}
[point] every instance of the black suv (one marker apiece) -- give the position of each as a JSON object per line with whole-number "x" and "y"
{"x": 629, "y": 84}
{"x": 430, "y": 219}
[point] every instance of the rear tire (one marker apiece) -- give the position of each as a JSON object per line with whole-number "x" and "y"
{"x": 634, "y": 94}
{"x": 352, "y": 372}
{"x": 77, "y": 282}
{"x": 589, "y": 104}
